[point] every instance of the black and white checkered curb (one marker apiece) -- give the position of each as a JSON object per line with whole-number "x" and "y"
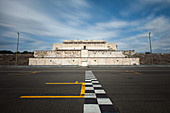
{"x": 96, "y": 100}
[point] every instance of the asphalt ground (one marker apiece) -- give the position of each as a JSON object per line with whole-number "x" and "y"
{"x": 132, "y": 90}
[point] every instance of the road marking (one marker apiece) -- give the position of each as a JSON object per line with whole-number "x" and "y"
{"x": 88, "y": 83}
{"x": 131, "y": 72}
{"x": 67, "y": 83}
{"x": 82, "y": 89}
{"x": 95, "y": 82}
{"x": 137, "y": 73}
{"x": 35, "y": 72}
{"x": 51, "y": 97}
{"x": 23, "y": 73}
{"x": 89, "y": 88}
{"x": 99, "y": 91}
{"x": 87, "y": 80}
{"x": 127, "y": 73}
{"x": 90, "y": 95}
{"x": 17, "y": 74}
{"x": 96, "y": 100}
{"x": 91, "y": 108}
{"x": 97, "y": 86}
{"x": 82, "y": 92}
{"x": 103, "y": 101}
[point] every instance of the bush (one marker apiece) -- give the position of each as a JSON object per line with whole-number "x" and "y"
{"x": 6, "y": 52}
{"x": 147, "y": 53}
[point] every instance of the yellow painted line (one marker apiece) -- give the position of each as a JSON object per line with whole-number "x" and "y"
{"x": 82, "y": 93}
{"x": 127, "y": 73}
{"x": 67, "y": 83}
{"x": 63, "y": 83}
{"x": 82, "y": 89}
{"x": 51, "y": 96}
{"x": 131, "y": 73}
{"x": 18, "y": 74}
{"x": 35, "y": 72}
{"x": 26, "y": 73}
{"x": 137, "y": 73}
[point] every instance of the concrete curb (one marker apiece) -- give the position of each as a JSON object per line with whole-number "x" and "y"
{"x": 29, "y": 66}
{"x": 129, "y": 66}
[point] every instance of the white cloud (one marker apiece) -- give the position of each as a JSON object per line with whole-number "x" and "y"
{"x": 67, "y": 24}
{"x": 21, "y": 18}
{"x": 162, "y": 43}
{"x": 71, "y": 3}
{"x": 158, "y": 25}
{"x": 25, "y": 41}
{"x": 160, "y": 35}
{"x": 113, "y": 24}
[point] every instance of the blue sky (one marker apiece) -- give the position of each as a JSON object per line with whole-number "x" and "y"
{"x": 124, "y": 22}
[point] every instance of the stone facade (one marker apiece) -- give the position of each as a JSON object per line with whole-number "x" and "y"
{"x": 84, "y": 44}
{"x": 83, "y": 53}
{"x": 84, "y": 61}
{"x": 78, "y": 53}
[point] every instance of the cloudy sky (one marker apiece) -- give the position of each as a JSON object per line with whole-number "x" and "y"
{"x": 124, "y": 22}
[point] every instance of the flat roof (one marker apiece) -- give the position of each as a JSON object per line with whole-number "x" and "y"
{"x": 84, "y": 41}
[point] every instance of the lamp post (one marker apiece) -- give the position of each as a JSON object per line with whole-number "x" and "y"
{"x": 150, "y": 47}
{"x": 16, "y": 59}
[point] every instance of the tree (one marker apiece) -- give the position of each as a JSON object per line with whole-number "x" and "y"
{"x": 6, "y": 52}
{"x": 147, "y": 53}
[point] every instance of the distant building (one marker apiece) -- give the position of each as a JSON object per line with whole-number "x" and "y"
{"x": 83, "y": 53}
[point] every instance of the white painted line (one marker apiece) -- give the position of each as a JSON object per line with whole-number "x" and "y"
{"x": 99, "y": 91}
{"x": 88, "y": 84}
{"x": 91, "y": 108}
{"x": 95, "y": 81}
{"x": 104, "y": 101}
{"x": 94, "y": 108}
{"x": 97, "y": 86}
{"x": 89, "y": 88}
{"x": 93, "y": 78}
{"x": 87, "y": 80}
{"x": 90, "y": 78}
{"x": 90, "y": 95}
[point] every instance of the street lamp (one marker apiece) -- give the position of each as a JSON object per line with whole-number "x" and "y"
{"x": 150, "y": 47}
{"x": 16, "y": 62}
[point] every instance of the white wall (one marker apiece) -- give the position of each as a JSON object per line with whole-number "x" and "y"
{"x": 57, "y": 54}
{"x": 78, "y": 61}
{"x": 106, "y": 46}
{"x": 78, "y": 53}
{"x": 105, "y": 54}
